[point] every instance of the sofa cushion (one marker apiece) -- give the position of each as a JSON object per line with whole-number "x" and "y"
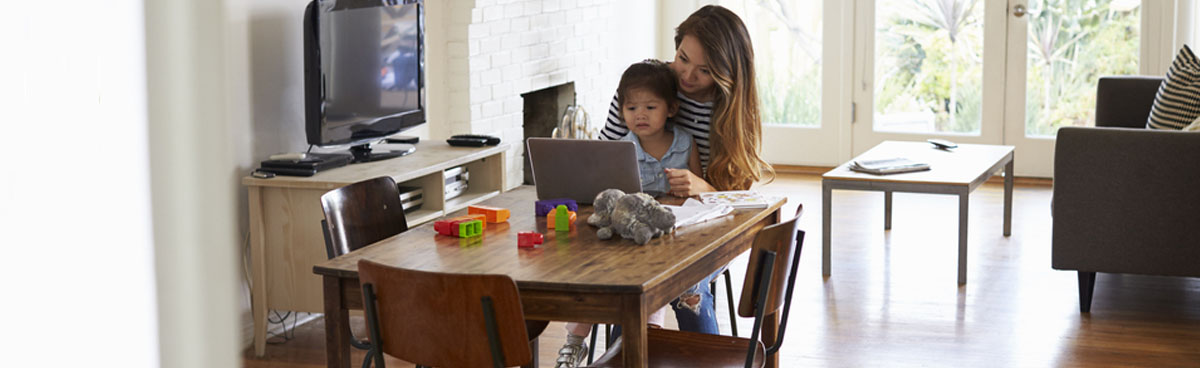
{"x": 1195, "y": 127}
{"x": 1177, "y": 103}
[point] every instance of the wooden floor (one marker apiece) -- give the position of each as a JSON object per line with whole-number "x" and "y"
{"x": 892, "y": 299}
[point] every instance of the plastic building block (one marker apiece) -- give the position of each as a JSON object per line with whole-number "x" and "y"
{"x": 492, "y": 214}
{"x": 443, "y": 227}
{"x": 481, "y": 218}
{"x": 469, "y": 228}
{"x": 544, "y": 207}
{"x": 459, "y": 227}
{"x": 529, "y": 240}
{"x": 567, "y": 222}
{"x": 562, "y": 222}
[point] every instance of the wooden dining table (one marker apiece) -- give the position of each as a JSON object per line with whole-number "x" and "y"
{"x": 572, "y": 276}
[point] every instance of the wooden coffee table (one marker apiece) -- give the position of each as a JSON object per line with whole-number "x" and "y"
{"x": 957, "y": 172}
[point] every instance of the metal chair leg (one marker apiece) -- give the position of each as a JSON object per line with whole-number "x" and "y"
{"x": 729, "y": 298}
{"x": 592, "y": 346}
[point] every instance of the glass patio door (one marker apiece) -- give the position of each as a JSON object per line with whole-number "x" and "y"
{"x": 928, "y": 69}
{"x": 1057, "y": 50}
{"x": 993, "y": 72}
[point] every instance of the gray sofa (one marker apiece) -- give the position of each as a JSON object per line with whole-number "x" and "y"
{"x": 1126, "y": 199}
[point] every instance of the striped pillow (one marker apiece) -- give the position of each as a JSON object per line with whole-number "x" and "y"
{"x": 1177, "y": 102}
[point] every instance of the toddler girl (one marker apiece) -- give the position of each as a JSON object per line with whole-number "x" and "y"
{"x": 646, "y": 99}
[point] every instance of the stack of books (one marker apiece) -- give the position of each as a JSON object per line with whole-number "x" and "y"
{"x": 885, "y": 166}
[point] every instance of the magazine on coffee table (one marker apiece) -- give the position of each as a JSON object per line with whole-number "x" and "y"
{"x": 894, "y": 165}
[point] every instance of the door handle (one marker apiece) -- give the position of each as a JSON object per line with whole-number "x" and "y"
{"x": 1019, "y": 10}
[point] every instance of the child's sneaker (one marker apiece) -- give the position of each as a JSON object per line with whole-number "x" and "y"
{"x": 571, "y": 355}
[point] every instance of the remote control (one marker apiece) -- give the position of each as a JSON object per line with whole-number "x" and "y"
{"x": 490, "y": 140}
{"x": 942, "y": 143}
{"x": 466, "y": 142}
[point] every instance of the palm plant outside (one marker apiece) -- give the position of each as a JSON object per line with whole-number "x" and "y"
{"x": 787, "y": 45}
{"x": 929, "y": 60}
{"x": 1072, "y": 43}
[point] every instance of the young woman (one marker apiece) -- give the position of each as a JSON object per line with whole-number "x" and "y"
{"x": 714, "y": 62}
{"x": 718, "y": 106}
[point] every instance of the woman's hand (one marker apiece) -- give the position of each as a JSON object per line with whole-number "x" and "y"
{"x": 684, "y": 183}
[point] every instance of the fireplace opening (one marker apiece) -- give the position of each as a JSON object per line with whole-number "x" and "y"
{"x": 543, "y": 110}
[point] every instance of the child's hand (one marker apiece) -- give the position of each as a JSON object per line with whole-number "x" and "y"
{"x": 684, "y": 183}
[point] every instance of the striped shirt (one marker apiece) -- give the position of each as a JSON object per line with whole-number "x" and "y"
{"x": 694, "y": 117}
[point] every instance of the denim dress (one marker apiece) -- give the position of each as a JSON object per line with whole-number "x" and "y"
{"x": 650, "y": 169}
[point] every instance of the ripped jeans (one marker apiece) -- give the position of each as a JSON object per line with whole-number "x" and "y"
{"x": 694, "y": 310}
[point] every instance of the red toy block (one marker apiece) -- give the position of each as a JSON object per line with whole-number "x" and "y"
{"x": 528, "y": 240}
{"x": 570, "y": 220}
{"x": 493, "y": 214}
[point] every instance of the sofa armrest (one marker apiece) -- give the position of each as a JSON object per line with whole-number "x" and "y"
{"x": 1127, "y": 201}
{"x": 1125, "y": 101}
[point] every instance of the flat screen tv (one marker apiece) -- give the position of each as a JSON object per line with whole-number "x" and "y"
{"x": 364, "y": 72}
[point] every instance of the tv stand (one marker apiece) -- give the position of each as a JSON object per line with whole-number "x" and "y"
{"x": 285, "y": 218}
{"x": 364, "y": 153}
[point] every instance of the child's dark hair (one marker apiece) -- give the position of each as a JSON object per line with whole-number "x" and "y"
{"x": 650, "y": 75}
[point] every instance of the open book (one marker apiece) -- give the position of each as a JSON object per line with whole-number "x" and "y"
{"x": 893, "y": 165}
{"x": 694, "y": 212}
{"x": 735, "y": 198}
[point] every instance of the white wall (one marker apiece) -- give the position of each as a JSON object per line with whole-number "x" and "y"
{"x": 194, "y": 202}
{"x": 79, "y": 285}
{"x": 517, "y": 46}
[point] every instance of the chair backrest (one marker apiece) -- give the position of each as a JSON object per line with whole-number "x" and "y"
{"x": 362, "y": 213}
{"x": 1124, "y": 101}
{"x": 782, "y": 239}
{"x": 774, "y": 257}
{"x": 442, "y": 320}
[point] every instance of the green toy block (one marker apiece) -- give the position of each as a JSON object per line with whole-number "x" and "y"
{"x": 562, "y": 220}
{"x": 470, "y": 228}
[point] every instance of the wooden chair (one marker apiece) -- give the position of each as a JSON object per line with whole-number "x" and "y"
{"x": 357, "y": 215}
{"x": 444, "y": 320}
{"x": 774, "y": 257}
{"x": 362, "y": 213}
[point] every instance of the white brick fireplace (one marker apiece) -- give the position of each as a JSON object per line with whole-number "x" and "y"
{"x": 498, "y": 49}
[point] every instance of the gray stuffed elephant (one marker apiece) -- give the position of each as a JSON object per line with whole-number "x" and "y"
{"x": 635, "y": 216}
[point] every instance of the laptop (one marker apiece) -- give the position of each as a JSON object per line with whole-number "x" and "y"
{"x": 580, "y": 169}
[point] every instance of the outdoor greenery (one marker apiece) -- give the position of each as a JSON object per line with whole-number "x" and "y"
{"x": 929, "y": 60}
{"x": 787, "y": 45}
{"x": 1072, "y": 43}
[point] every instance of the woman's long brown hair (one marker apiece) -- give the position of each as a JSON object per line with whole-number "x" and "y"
{"x": 735, "y": 138}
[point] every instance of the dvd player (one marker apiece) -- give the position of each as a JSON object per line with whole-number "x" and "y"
{"x": 309, "y": 166}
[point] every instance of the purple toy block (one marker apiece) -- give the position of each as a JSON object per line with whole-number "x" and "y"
{"x": 543, "y": 207}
